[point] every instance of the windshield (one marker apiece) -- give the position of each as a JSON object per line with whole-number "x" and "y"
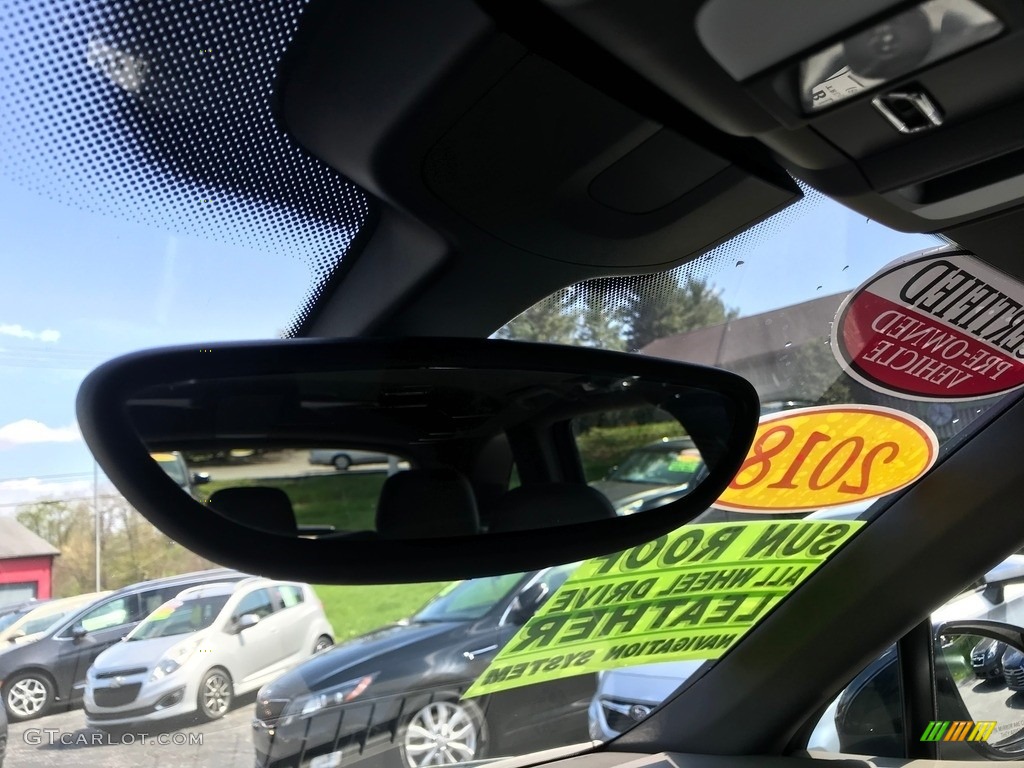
{"x": 31, "y": 625}
{"x": 180, "y": 617}
{"x": 469, "y": 600}
{"x": 8, "y": 619}
{"x": 150, "y": 195}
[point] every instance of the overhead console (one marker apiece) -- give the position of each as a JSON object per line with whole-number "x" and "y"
{"x": 909, "y": 112}
{"x": 448, "y": 121}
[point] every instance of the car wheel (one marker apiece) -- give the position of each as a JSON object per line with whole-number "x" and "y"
{"x": 28, "y": 695}
{"x": 341, "y": 461}
{"x": 322, "y": 643}
{"x": 444, "y": 732}
{"x": 215, "y": 694}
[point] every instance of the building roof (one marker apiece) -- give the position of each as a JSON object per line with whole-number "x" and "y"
{"x": 730, "y": 343}
{"x": 18, "y": 541}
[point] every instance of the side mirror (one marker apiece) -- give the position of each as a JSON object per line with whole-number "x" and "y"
{"x": 979, "y": 686}
{"x": 526, "y": 603}
{"x": 200, "y": 478}
{"x": 245, "y": 621}
{"x": 78, "y": 632}
{"x": 16, "y": 636}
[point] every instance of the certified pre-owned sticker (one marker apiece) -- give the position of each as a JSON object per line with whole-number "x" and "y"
{"x": 827, "y": 456}
{"x": 939, "y": 325}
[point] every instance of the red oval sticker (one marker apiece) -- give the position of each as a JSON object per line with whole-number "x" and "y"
{"x": 939, "y": 325}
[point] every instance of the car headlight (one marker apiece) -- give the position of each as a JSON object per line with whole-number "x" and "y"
{"x": 343, "y": 693}
{"x": 174, "y": 658}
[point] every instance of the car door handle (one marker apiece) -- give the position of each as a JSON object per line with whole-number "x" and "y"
{"x": 470, "y": 655}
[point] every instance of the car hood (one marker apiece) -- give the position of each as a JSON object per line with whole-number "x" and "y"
{"x": 136, "y": 653}
{"x": 649, "y": 683}
{"x": 620, "y": 493}
{"x": 334, "y": 666}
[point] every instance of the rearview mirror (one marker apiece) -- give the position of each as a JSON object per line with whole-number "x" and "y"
{"x": 431, "y": 432}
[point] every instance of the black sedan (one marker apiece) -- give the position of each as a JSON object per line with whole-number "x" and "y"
{"x": 398, "y": 690}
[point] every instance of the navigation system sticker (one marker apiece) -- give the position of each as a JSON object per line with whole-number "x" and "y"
{"x": 829, "y": 456}
{"x": 689, "y": 595}
{"x": 937, "y": 325}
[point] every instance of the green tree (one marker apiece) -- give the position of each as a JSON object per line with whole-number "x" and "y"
{"x": 131, "y": 548}
{"x": 657, "y": 306}
{"x": 621, "y": 313}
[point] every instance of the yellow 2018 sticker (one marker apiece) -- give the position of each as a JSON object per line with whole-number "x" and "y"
{"x": 813, "y": 458}
{"x": 689, "y": 595}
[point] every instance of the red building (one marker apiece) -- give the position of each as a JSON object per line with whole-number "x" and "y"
{"x": 26, "y": 564}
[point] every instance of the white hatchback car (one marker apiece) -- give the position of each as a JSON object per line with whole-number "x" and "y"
{"x": 195, "y": 653}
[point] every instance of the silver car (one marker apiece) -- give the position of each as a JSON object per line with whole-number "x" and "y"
{"x": 195, "y": 653}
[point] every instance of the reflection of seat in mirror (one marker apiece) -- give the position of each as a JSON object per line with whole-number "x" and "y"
{"x": 265, "y": 509}
{"x": 529, "y": 507}
{"x": 427, "y": 503}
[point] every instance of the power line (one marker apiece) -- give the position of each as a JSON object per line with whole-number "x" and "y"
{"x": 58, "y": 501}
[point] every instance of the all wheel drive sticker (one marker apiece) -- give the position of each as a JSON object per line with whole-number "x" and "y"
{"x": 938, "y": 325}
{"x": 689, "y": 595}
{"x": 692, "y": 594}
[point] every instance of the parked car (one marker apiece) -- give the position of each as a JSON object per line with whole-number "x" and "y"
{"x": 651, "y": 476}
{"x": 198, "y": 651}
{"x": 987, "y": 659}
{"x": 399, "y": 689}
{"x": 34, "y": 623}
{"x": 173, "y": 463}
{"x": 1013, "y": 669}
{"x": 36, "y": 676}
{"x": 343, "y": 458}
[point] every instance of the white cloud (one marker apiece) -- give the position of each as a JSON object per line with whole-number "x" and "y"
{"x": 48, "y": 335}
{"x": 29, "y": 489}
{"x": 27, "y": 431}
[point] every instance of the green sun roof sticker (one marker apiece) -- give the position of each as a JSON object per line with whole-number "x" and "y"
{"x": 690, "y": 595}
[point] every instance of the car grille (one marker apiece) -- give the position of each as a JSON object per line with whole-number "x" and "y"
{"x": 1014, "y": 677}
{"x": 116, "y": 697}
{"x": 120, "y": 673}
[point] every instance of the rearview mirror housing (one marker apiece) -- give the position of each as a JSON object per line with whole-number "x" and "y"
{"x": 441, "y": 405}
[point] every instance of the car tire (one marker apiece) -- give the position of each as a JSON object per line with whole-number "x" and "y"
{"x": 27, "y": 695}
{"x": 444, "y": 732}
{"x": 322, "y": 643}
{"x": 216, "y": 692}
{"x": 341, "y": 461}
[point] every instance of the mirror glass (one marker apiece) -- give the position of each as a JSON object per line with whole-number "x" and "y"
{"x": 427, "y": 452}
{"x": 981, "y": 690}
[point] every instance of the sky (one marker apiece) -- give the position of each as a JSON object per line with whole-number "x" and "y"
{"x": 80, "y": 288}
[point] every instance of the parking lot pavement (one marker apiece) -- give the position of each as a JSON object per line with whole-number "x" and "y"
{"x": 62, "y": 740}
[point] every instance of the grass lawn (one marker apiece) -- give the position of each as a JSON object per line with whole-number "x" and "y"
{"x": 354, "y": 611}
